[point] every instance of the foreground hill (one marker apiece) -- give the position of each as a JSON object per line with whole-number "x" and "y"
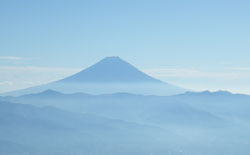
{"x": 101, "y": 124}
{"x": 49, "y": 130}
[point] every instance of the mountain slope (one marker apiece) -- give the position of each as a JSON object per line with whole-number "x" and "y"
{"x": 10, "y": 148}
{"x": 223, "y": 103}
{"x": 200, "y": 130}
{"x": 49, "y": 130}
{"x": 110, "y": 75}
{"x": 111, "y": 70}
{"x": 137, "y": 108}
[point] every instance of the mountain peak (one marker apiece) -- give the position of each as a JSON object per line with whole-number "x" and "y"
{"x": 109, "y": 75}
{"x": 111, "y": 70}
{"x": 112, "y": 58}
{"x": 49, "y": 92}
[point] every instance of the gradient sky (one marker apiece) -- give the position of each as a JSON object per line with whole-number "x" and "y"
{"x": 194, "y": 44}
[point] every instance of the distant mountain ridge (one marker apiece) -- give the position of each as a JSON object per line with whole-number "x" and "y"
{"x": 121, "y": 123}
{"x": 220, "y": 103}
{"x": 220, "y": 92}
{"x": 125, "y": 106}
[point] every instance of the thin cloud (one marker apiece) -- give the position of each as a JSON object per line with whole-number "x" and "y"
{"x": 37, "y": 69}
{"x": 19, "y": 77}
{"x": 9, "y": 83}
{"x": 240, "y": 68}
{"x": 10, "y": 58}
{"x": 195, "y": 73}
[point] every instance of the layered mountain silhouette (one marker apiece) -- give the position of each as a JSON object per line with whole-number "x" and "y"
{"x": 160, "y": 110}
{"x": 27, "y": 129}
{"x": 120, "y": 119}
{"x": 110, "y": 75}
{"x": 220, "y": 103}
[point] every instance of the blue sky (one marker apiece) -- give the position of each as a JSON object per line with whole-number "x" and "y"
{"x": 195, "y": 44}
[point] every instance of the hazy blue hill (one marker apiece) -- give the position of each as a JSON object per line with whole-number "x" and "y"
{"x": 188, "y": 124}
{"x": 222, "y": 103}
{"x": 131, "y": 107}
{"x": 110, "y": 75}
{"x": 49, "y": 130}
{"x": 215, "y": 96}
{"x": 45, "y": 94}
{"x": 10, "y": 148}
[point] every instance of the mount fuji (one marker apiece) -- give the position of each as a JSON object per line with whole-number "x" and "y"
{"x": 110, "y": 75}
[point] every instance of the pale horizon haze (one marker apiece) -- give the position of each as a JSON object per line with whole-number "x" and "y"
{"x": 192, "y": 44}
